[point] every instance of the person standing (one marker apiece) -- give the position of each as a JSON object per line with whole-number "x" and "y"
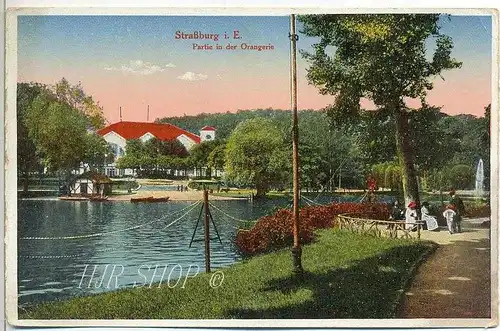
{"x": 411, "y": 215}
{"x": 456, "y": 201}
{"x": 450, "y": 216}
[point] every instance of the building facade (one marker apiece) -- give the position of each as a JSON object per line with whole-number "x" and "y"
{"x": 119, "y": 133}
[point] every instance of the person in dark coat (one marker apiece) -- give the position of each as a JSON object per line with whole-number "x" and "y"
{"x": 458, "y": 203}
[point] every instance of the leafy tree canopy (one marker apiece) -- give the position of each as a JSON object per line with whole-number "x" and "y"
{"x": 257, "y": 155}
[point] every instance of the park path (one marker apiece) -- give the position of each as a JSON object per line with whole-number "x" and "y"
{"x": 455, "y": 282}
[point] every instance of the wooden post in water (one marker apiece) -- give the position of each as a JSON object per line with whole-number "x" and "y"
{"x": 296, "y": 250}
{"x": 206, "y": 226}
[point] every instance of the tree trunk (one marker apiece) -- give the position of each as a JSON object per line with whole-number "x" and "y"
{"x": 405, "y": 156}
{"x": 261, "y": 189}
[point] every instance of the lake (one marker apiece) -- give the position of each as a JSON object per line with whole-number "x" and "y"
{"x": 84, "y": 238}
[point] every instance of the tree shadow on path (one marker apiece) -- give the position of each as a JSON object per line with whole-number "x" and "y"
{"x": 368, "y": 288}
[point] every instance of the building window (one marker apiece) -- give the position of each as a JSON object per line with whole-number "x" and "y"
{"x": 209, "y": 136}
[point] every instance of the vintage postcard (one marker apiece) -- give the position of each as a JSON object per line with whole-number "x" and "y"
{"x": 258, "y": 168}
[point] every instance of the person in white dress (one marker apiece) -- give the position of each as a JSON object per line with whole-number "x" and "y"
{"x": 429, "y": 220}
{"x": 411, "y": 215}
{"x": 450, "y": 215}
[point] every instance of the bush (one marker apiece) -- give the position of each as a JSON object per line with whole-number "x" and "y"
{"x": 276, "y": 231}
{"x": 477, "y": 208}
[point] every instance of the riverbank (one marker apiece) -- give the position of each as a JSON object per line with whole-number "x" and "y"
{"x": 173, "y": 195}
{"x": 347, "y": 275}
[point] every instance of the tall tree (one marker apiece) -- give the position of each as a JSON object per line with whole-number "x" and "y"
{"x": 217, "y": 157}
{"x": 59, "y": 133}
{"x": 75, "y": 96}
{"x": 257, "y": 155}
{"x": 174, "y": 147}
{"x": 199, "y": 155}
{"x": 27, "y": 158}
{"x": 381, "y": 57}
{"x": 98, "y": 152}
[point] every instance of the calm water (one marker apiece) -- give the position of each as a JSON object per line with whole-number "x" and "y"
{"x": 53, "y": 269}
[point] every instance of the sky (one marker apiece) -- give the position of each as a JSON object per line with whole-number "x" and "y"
{"x": 135, "y": 61}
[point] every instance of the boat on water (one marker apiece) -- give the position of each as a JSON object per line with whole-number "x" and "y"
{"x": 150, "y": 199}
{"x": 74, "y": 198}
{"x": 98, "y": 198}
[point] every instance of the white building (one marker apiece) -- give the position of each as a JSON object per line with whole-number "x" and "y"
{"x": 119, "y": 133}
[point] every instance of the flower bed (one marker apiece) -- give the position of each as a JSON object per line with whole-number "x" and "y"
{"x": 276, "y": 231}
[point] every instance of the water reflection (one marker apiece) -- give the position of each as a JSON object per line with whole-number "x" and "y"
{"x": 53, "y": 269}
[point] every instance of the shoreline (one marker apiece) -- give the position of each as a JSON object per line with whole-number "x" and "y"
{"x": 173, "y": 195}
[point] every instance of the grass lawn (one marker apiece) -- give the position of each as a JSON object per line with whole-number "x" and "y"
{"x": 348, "y": 276}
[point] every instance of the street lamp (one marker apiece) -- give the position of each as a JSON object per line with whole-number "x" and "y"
{"x": 296, "y": 250}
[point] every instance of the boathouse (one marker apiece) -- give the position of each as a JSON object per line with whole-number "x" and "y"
{"x": 91, "y": 183}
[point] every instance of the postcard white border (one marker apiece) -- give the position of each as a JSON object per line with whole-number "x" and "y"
{"x": 11, "y": 173}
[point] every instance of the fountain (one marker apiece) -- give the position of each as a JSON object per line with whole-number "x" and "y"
{"x": 479, "y": 178}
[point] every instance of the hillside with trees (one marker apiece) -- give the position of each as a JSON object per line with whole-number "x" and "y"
{"x": 447, "y": 148}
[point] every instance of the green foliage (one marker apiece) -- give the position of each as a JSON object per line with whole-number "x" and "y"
{"x": 378, "y": 56}
{"x": 27, "y": 158}
{"x": 313, "y": 169}
{"x": 460, "y": 177}
{"x": 154, "y": 157}
{"x": 257, "y": 155}
{"x": 74, "y": 96}
{"x": 55, "y": 124}
{"x": 128, "y": 162}
{"x": 227, "y": 122}
{"x": 156, "y": 147}
{"x": 135, "y": 148}
{"x": 217, "y": 157}
{"x": 428, "y": 139}
{"x": 58, "y": 131}
{"x": 376, "y": 131}
{"x": 199, "y": 153}
{"x": 387, "y": 175}
{"x": 97, "y": 151}
{"x": 381, "y": 57}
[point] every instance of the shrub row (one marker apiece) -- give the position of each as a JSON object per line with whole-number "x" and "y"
{"x": 276, "y": 231}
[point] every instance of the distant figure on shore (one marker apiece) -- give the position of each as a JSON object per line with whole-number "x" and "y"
{"x": 456, "y": 201}
{"x": 450, "y": 216}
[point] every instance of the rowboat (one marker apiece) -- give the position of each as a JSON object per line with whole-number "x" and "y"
{"x": 150, "y": 199}
{"x": 74, "y": 198}
{"x": 98, "y": 198}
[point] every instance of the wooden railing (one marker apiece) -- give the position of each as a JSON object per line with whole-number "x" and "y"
{"x": 379, "y": 228}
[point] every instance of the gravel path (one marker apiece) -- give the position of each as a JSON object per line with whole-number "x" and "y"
{"x": 455, "y": 282}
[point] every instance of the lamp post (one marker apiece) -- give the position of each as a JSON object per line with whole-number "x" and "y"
{"x": 296, "y": 250}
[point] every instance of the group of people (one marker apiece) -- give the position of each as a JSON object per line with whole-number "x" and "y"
{"x": 182, "y": 188}
{"x": 453, "y": 213}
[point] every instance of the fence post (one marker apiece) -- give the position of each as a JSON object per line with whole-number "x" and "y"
{"x": 206, "y": 226}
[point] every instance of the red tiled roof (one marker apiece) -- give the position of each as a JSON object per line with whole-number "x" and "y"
{"x": 208, "y": 128}
{"x": 135, "y": 130}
